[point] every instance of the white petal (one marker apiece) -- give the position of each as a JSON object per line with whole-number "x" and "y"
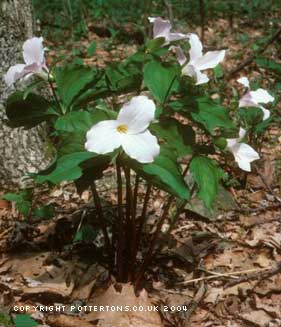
{"x": 244, "y": 81}
{"x": 209, "y": 60}
{"x": 12, "y": 74}
{"x": 103, "y": 137}
{"x": 244, "y": 165}
{"x": 143, "y": 147}
{"x": 196, "y": 47}
{"x": 242, "y": 133}
{"x": 180, "y": 54}
{"x": 137, "y": 114}
{"x": 161, "y": 27}
{"x": 33, "y": 51}
{"x": 246, "y": 152}
{"x": 244, "y": 155}
{"x": 201, "y": 78}
{"x": 261, "y": 96}
{"x": 177, "y": 36}
{"x": 266, "y": 113}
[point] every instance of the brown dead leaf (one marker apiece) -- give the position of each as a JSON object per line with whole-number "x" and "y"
{"x": 131, "y": 318}
{"x": 66, "y": 321}
{"x": 258, "y": 318}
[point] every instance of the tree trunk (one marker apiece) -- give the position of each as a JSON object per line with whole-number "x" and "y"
{"x": 21, "y": 151}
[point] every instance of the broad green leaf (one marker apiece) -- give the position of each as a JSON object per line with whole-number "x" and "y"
{"x": 207, "y": 175}
{"x": 77, "y": 121}
{"x": 65, "y": 169}
{"x": 164, "y": 173}
{"x": 160, "y": 80}
{"x": 155, "y": 44}
{"x": 71, "y": 81}
{"x": 212, "y": 115}
{"x": 178, "y": 136}
{"x": 123, "y": 78}
{"x": 24, "y": 320}
{"x": 250, "y": 116}
{"x": 27, "y": 112}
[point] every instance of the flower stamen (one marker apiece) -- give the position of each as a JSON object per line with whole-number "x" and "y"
{"x": 122, "y": 129}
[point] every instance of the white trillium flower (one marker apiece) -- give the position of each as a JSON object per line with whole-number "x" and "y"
{"x": 129, "y": 130}
{"x": 255, "y": 98}
{"x": 162, "y": 28}
{"x": 198, "y": 61}
{"x": 33, "y": 55}
{"x": 243, "y": 153}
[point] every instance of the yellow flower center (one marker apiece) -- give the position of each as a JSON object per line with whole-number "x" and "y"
{"x": 122, "y": 129}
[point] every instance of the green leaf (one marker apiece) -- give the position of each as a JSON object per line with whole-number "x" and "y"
{"x": 22, "y": 201}
{"x": 212, "y": 115}
{"x": 269, "y": 64}
{"x": 179, "y": 137}
{"x": 24, "y": 320}
{"x": 65, "y": 169}
{"x": 45, "y": 212}
{"x": 72, "y": 81}
{"x": 250, "y": 116}
{"x": 86, "y": 234}
{"x": 27, "y": 112}
{"x": 164, "y": 173}
{"x": 207, "y": 175}
{"x": 92, "y": 49}
{"x": 161, "y": 80}
{"x": 5, "y": 320}
{"x": 77, "y": 121}
{"x": 155, "y": 44}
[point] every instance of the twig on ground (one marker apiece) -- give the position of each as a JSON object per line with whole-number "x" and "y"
{"x": 193, "y": 304}
{"x": 230, "y": 274}
{"x": 252, "y": 57}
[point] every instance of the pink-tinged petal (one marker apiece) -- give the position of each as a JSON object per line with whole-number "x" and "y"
{"x": 196, "y": 47}
{"x": 142, "y": 147}
{"x": 266, "y": 113}
{"x": 261, "y": 96}
{"x": 12, "y": 74}
{"x": 103, "y": 137}
{"x": 33, "y": 51}
{"x": 247, "y": 101}
{"x": 177, "y": 36}
{"x": 244, "y": 81}
{"x": 209, "y": 60}
{"x": 137, "y": 114}
{"x": 161, "y": 27}
{"x": 180, "y": 54}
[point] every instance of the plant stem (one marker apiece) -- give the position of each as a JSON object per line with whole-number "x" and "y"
{"x": 54, "y": 93}
{"x": 149, "y": 256}
{"x": 98, "y": 206}
{"x": 142, "y": 220}
{"x": 134, "y": 227}
{"x": 128, "y": 227}
{"x": 120, "y": 237}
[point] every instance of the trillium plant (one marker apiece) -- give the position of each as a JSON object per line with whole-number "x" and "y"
{"x": 153, "y": 122}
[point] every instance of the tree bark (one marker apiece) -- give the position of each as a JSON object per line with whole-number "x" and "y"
{"x": 21, "y": 151}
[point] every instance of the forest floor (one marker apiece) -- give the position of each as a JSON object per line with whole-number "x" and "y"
{"x": 223, "y": 267}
